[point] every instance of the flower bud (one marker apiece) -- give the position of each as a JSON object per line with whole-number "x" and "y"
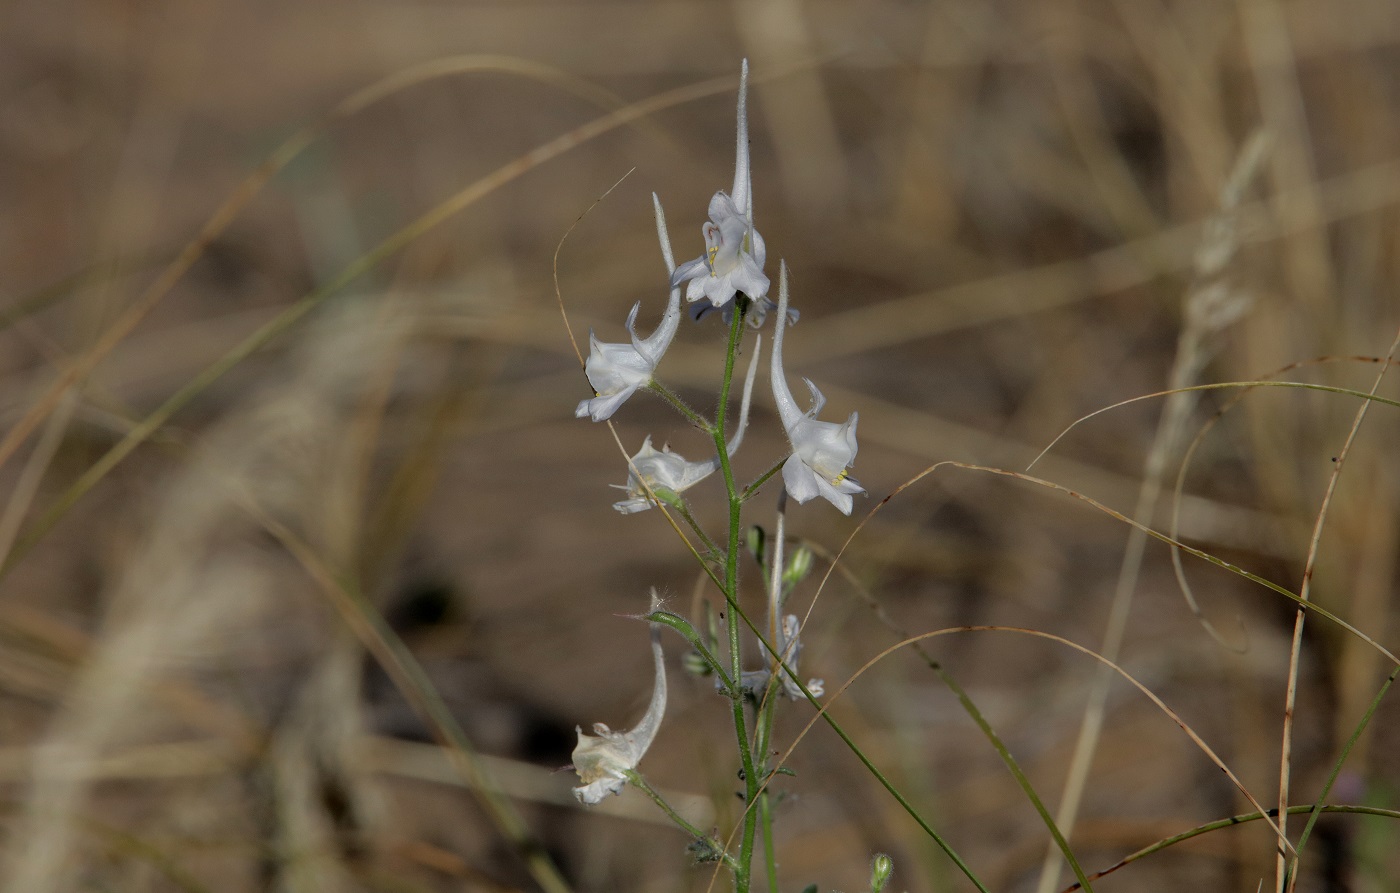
{"x": 756, "y": 541}
{"x": 799, "y": 566}
{"x": 881, "y": 867}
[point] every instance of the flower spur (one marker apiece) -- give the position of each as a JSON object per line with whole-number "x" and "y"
{"x": 734, "y": 250}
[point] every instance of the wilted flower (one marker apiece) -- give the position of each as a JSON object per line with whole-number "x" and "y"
{"x": 734, "y": 251}
{"x": 666, "y": 472}
{"x": 602, "y": 762}
{"x": 616, "y": 370}
{"x": 789, "y": 648}
{"x": 822, "y": 452}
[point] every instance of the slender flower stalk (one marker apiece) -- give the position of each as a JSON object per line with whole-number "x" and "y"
{"x": 822, "y": 452}
{"x": 616, "y": 371}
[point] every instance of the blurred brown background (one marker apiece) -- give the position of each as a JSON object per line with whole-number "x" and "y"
{"x": 994, "y": 214}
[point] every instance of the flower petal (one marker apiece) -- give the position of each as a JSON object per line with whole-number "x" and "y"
{"x": 801, "y": 482}
{"x": 602, "y": 407}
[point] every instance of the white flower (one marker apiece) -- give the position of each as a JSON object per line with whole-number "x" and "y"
{"x": 602, "y": 763}
{"x": 821, "y": 451}
{"x": 734, "y": 251}
{"x": 662, "y": 470}
{"x": 616, "y": 370}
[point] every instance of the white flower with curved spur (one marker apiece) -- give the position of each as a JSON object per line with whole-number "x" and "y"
{"x": 602, "y": 762}
{"x": 664, "y": 472}
{"x": 734, "y": 251}
{"x": 822, "y": 452}
{"x": 616, "y": 371}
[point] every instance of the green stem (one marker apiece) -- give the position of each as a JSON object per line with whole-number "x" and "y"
{"x": 731, "y": 596}
{"x": 774, "y": 688}
{"x": 770, "y": 858}
{"x": 1016, "y": 772}
{"x": 899, "y": 797}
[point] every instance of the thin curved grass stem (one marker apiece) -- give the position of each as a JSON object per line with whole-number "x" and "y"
{"x": 293, "y": 314}
{"x": 100, "y": 271}
{"x": 1229, "y": 823}
{"x": 937, "y": 667}
{"x": 1035, "y": 633}
{"x": 662, "y": 507}
{"x": 1214, "y": 386}
{"x": 1014, "y": 768}
{"x": 1316, "y": 810}
{"x": 244, "y": 193}
{"x": 409, "y": 677}
{"x": 684, "y": 511}
{"x": 1311, "y": 607}
{"x": 884, "y": 782}
{"x": 31, "y": 476}
{"x": 823, "y": 714}
{"x": 1188, "y": 361}
{"x": 1180, "y": 487}
{"x": 1287, "y": 869}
